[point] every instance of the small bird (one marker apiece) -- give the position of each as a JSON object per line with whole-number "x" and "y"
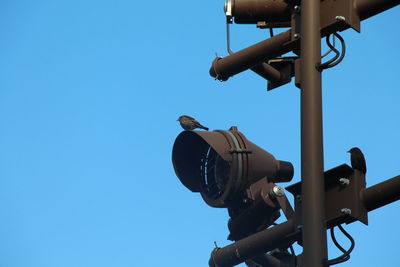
{"x": 357, "y": 160}
{"x": 188, "y": 123}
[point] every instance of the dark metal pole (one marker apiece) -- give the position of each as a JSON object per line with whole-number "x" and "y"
{"x": 254, "y": 245}
{"x": 312, "y": 163}
{"x": 223, "y": 68}
{"x": 381, "y": 194}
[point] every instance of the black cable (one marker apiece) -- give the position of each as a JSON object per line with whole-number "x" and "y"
{"x": 336, "y": 242}
{"x": 346, "y": 253}
{"x": 336, "y": 59}
{"x": 271, "y": 32}
{"x": 292, "y": 250}
{"x": 228, "y": 39}
{"x": 343, "y": 50}
{"x": 330, "y": 50}
{"x": 325, "y": 65}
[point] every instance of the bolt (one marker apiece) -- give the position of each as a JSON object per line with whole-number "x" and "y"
{"x": 297, "y": 9}
{"x": 237, "y": 253}
{"x": 298, "y": 197}
{"x": 344, "y": 182}
{"x": 346, "y": 211}
{"x": 340, "y": 18}
{"x": 296, "y": 36}
{"x": 278, "y": 191}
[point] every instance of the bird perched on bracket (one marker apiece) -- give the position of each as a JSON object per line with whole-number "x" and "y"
{"x": 188, "y": 123}
{"x": 357, "y": 160}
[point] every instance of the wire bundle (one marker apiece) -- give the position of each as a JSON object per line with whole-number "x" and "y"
{"x": 346, "y": 253}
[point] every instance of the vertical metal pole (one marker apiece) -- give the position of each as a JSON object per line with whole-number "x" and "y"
{"x": 314, "y": 228}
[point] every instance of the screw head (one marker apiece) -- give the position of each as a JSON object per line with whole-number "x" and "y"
{"x": 346, "y": 211}
{"x": 340, "y": 18}
{"x": 278, "y": 191}
{"x": 296, "y": 36}
{"x": 297, "y": 9}
{"x": 344, "y": 182}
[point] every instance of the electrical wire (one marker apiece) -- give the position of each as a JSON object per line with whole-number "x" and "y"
{"x": 271, "y": 31}
{"x": 228, "y": 39}
{"x": 346, "y": 253}
{"x": 338, "y": 56}
{"x": 330, "y": 50}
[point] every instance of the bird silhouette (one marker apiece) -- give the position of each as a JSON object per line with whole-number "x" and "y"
{"x": 357, "y": 160}
{"x": 188, "y": 123}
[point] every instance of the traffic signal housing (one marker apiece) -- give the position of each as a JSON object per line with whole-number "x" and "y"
{"x": 221, "y": 165}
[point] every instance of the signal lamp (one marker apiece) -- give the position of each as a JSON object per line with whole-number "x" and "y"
{"x": 273, "y": 12}
{"x": 221, "y": 165}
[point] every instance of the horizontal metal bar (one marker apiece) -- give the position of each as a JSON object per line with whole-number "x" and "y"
{"x": 279, "y": 10}
{"x": 369, "y": 8}
{"x": 381, "y": 194}
{"x": 223, "y": 68}
{"x": 268, "y": 72}
{"x": 254, "y": 245}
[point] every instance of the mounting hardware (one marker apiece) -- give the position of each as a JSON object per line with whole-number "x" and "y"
{"x": 278, "y": 191}
{"x": 340, "y": 18}
{"x": 344, "y": 182}
{"x": 296, "y": 36}
{"x": 297, "y": 9}
{"x": 346, "y": 211}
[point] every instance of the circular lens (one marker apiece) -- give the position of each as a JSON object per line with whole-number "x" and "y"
{"x": 215, "y": 173}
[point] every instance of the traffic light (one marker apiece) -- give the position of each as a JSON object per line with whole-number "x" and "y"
{"x": 231, "y": 172}
{"x": 271, "y": 13}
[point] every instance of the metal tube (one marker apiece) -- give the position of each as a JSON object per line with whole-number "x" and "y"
{"x": 369, "y": 8}
{"x": 253, "y": 11}
{"x": 381, "y": 194}
{"x": 268, "y": 261}
{"x": 279, "y": 10}
{"x": 254, "y": 245}
{"x": 312, "y": 163}
{"x": 223, "y": 68}
{"x": 267, "y": 71}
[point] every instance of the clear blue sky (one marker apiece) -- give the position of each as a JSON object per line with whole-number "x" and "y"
{"x": 89, "y": 96}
